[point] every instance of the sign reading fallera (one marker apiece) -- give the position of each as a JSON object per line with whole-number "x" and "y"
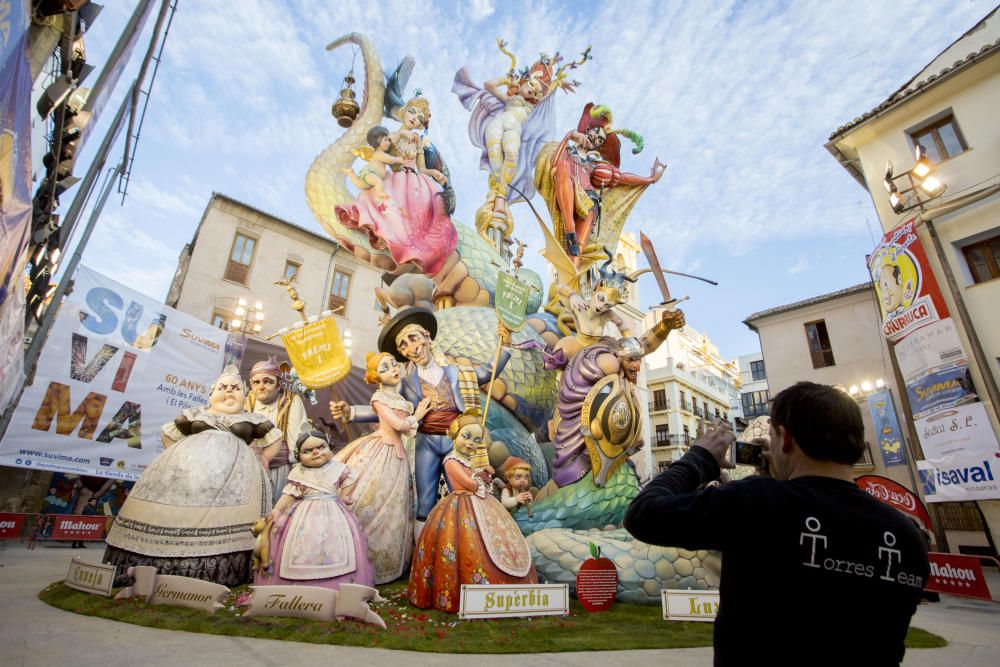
{"x": 690, "y": 605}
{"x": 90, "y": 577}
{"x": 489, "y": 601}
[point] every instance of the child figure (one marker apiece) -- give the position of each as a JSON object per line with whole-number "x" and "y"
{"x": 376, "y": 155}
{"x": 310, "y": 538}
{"x": 517, "y": 473}
{"x": 469, "y": 537}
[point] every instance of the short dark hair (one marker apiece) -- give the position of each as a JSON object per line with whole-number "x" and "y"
{"x": 825, "y": 421}
{"x": 375, "y": 135}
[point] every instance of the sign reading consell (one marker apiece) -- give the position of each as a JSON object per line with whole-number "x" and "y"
{"x": 689, "y": 605}
{"x": 499, "y": 601}
{"x": 90, "y": 577}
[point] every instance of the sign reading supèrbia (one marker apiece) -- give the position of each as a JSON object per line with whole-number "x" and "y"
{"x": 499, "y": 601}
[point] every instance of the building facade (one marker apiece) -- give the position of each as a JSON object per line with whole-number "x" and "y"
{"x": 836, "y": 339}
{"x": 949, "y": 110}
{"x": 687, "y": 381}
{"x": 754, "y": 394}
{"x": 239, "y": 252}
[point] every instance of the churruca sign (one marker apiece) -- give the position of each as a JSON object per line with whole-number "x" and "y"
{"x": 498, "y": 601}
{"x": 173, "y": 590}
{"x": 315, "y": 602}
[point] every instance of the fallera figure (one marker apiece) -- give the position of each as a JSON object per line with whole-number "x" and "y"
{"x": 310, "y": 538}
{"x": 469, "y": 538}
{"x": 191, "y": 512}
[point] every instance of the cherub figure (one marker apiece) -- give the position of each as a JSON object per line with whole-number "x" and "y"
{"x": 377, "y": 156}
{"x": 517, "y": 493}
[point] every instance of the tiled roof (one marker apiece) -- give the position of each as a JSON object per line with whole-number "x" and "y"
{"x": 805, "y": 302}
{"x": 302, "y": 229}
{"x": 935, "y": 73}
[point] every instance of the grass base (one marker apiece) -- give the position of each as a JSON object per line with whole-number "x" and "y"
{"x": 625, "y": 626}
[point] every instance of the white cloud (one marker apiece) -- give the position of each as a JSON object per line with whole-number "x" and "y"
{"x": 799, "y": 266}
{"x": 480, "y": 9}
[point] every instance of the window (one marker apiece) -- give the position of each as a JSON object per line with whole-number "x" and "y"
{"x": 940, "y": 138}
{"x": 983, "y": 259}
{"x": 755, "y": 403}
{"x": 663, "y": 465}
{"x": 240, "y": 259}
{"x": 220, "y": 320}
{"x": 339, "y": 292}
{"x": 659, "y": 399}
{"x": 291, "y": 270}
{"x": 662, "y": 435}
{"x": 819, "y": 344}
{"x": 757, "y": 371}
{"x": 684, "y": 403}
{"x": 707, "y": 414}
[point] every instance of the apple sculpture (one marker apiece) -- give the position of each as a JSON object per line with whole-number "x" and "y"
{"x": 597, "y": 581}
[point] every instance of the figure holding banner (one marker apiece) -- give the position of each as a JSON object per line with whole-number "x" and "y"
{"x": 191, "y": 512}
{"x": 270, "y": 397}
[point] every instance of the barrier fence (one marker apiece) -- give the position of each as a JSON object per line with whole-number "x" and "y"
{"x": 35, "y": 527}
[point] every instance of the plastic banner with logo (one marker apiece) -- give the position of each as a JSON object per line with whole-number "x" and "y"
{"x": 11, "y": 525}
{"x": 73, "y": 527}
{"x": 908, "y": 294}
{"x": 895, "y": 494}
{"x": 116, "y": 367}
{"x": 15, "y": 190}
{"x": 962, "y": 478}
{"x": 957, "y": 574}
{"x": 940, "y": 388}
{"x": 958, "y": 433}
{"x": 890, "y": 438}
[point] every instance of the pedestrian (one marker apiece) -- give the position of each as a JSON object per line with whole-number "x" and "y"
{"x": 90, "y": 509}
{"x": 814, "y": 570}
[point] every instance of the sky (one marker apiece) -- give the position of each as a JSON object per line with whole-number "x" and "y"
{"x": 737, "y": 98}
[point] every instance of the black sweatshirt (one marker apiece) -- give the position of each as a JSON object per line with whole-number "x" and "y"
{"x": 815, "y": 570}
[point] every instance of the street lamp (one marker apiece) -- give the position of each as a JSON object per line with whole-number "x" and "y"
{"x": 247, "y": 319}
{"x": 921, "y": 180}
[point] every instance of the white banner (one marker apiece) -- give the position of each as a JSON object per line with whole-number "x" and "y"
{"x": 957, "y": 434}
{"x": 116, "y": 367}
{"x": 964, "y": 478}
{"x": 929, "y": 347}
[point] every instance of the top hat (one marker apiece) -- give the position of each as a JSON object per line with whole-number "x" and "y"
{"x": 413, "y": 315}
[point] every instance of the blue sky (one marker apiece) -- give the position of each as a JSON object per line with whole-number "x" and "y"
{"x": 737, "y": 98}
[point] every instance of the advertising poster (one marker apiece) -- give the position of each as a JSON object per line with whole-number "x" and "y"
{"x": 886, "y": 425}
{"x": 940, "y": 388}
{"x": 960, "y": 432}
{"x": 932, "y": 346}
{"x": 963, "y": 478}
{"x": 908, "y": 294}
{"x": 895, "y": 494}
{"x": 116, "y": 367}
{"x": 15, "y": 189}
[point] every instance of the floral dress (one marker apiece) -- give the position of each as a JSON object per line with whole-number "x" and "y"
{"x": 383, "y": 491}
{"x": 469, "y": 538}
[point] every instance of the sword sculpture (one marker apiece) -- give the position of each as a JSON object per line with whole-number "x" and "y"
{"x": 658, "y": 271}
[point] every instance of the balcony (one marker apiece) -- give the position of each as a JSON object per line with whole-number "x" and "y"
{"x": 659, "y": 406}
{"x": 686, "y": 406}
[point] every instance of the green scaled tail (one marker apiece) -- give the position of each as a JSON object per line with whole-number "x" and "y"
{"x": 583, "y": 505}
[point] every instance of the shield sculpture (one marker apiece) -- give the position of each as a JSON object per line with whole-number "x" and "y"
{"x": 610, "y": 423}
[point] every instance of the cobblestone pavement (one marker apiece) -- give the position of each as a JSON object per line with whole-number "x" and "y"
{"x": 32, "y": 633}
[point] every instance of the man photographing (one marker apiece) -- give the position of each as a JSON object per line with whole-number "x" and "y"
{"x": 814, "y": 570}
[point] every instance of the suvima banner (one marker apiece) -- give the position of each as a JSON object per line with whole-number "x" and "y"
{"x": 116, "y": 367}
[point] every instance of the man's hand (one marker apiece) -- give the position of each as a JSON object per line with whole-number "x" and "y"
{"x": 673, "y": 319}
{"x": 717, "y": 440}
{"x": 340, "y": 410}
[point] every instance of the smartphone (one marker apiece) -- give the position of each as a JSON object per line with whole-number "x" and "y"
{"x": 748, "y": 454}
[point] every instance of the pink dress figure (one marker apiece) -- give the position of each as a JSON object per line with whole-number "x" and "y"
{"x": 382, "y": 490}
{"x": 313, "y": 540}
{"x": 411, "y": 218}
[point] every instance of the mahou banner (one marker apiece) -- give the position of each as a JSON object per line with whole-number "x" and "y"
{"x": 116, "y": 367}
{"x": 908, "y": 294}
{"x": 957, "y": 574}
